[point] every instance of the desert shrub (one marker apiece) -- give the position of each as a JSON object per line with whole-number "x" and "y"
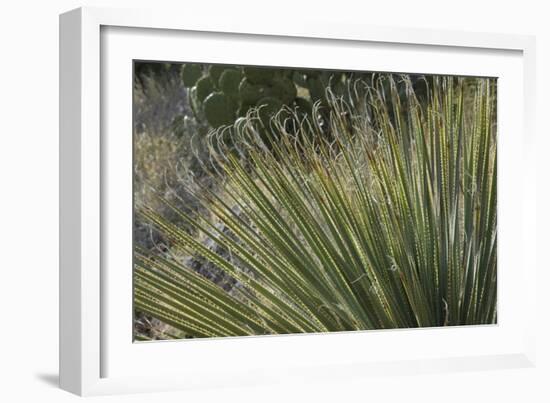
{"x": 389, "y": 222}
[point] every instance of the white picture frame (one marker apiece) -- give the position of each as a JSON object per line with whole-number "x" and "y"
{"x": 92, "y": 346}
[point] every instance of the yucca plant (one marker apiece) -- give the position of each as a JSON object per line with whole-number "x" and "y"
{"x": 388, "y": 222}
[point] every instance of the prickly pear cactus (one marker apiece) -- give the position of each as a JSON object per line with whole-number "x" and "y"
{"x": 251, "y": 93}
{"x": 219, "y": 109}
{"x": 215, "y": 71}
{"x": 259, "y": 75}
{"x": 222, "y": 94}
{"x": 284, "y": 89}
{"x": 204, "y": 87}
{"x": 229, "y": 82}
{"x": 190, "y": 73}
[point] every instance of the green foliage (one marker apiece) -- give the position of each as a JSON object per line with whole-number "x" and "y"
{"x": 215, "y": 71}
{"x": 284, "y": 89}
{"x": 219, "y": 109}
{"x": 204, "y": 88}
{"x": 391, "y": 224}
{"x": 259, "y": 75}
{"x": 299, "y": 77}
{"x": 251, "y": 93}
{"x": 190, "y": 73}
{"x": 246, "y": 86}
{"x": 304, "y": 106}
{"x": 229, "y": 82}
{"x": 316, "y": 88}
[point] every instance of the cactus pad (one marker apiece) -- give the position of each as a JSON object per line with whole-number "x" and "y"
{"x": 219, "y": 110}
{"x": 230, "y": 81}
{"x": 190, "y": 73}
{"x": 204, "y": 88}
{"x": 252, "y": 93}
{"x": 216, "y": 70}
{"x": 259, "y": 75}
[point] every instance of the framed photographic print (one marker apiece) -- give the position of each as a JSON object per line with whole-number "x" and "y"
{"x": 234, "y": 202}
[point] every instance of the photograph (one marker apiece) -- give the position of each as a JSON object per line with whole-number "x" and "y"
{"x": 219, "y": 201}
{"x": 275, "y": 200}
